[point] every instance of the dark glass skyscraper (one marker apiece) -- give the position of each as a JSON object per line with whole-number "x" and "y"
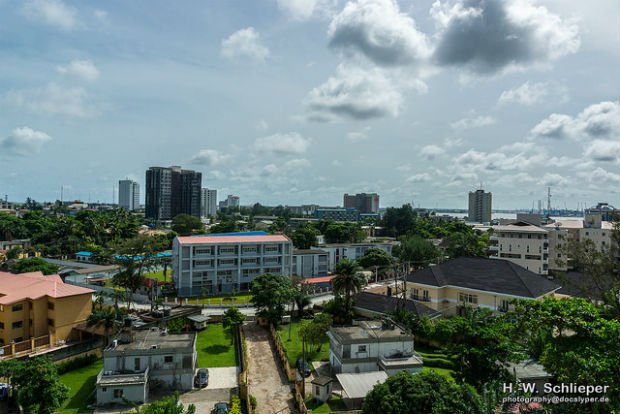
{"x": 172, "y": 191}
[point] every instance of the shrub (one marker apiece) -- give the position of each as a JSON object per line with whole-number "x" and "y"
{"x": 235, "y": 405}
{"x": 253, "y": 402}
{"x": 76, "y": 363}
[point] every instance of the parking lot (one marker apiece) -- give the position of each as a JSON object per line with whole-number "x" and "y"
{"x": 222, "y": 385}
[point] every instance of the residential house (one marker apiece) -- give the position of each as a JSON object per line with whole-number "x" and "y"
{"x": 138, "y": 359}
{"x": 522, "y": 243}
{"x": 476, "y": 282}
{"x": 372, "y": 305}
{"x": 372, "y": 346}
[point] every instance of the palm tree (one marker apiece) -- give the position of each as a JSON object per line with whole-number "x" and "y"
{"x": 348, "y": 281}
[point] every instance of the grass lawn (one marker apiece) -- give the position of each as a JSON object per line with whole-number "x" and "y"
{"x": 159, "y": 275}
{"x": 238, "y": 299}
{"x": 81, "y": 383}
{"x": 216, "y": 348}
{"x": 448, "y": 373}
{"x": 293, "y": 347}
{"x": 335, "y": 403}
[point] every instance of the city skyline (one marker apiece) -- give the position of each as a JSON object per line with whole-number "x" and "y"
{"x": 292, "y": 102}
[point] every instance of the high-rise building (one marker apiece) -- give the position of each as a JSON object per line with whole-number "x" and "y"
{"x": 363, "y": 202}
{"x": 128, "y": 195}
{"x": 208, "y": 203}
{"x": 480, "y": 206}
{"x": 172, "y": 191}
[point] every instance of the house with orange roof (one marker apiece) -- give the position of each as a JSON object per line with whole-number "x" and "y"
{"x": 33, "y": 305}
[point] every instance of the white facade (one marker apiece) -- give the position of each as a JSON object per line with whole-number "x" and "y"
{"x": 128, "y": 195}
{"x": 352, "y": 251}
{"x": 310, "y": 263}
{"x": 208, "y": 203}
{"x": 371, "y": 347}
{"x": 215, "y": 264}
{"x": 523, "y": 244}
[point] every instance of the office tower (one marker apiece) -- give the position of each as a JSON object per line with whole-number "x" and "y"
{"x": 363, "y": 202}
{"x": 480, "y": 206}
{"x": 128, "y": 195}
{"x": 208, "y": 203}
{"x": 172, "y": 191}
{"x": 232, "y": 201}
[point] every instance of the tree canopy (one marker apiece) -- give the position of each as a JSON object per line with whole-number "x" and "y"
{"x": 186, "y": 225}
{"x": 304, "y": 237}
{"x": 270, "y": 294}
{"x": 34, "y": 264}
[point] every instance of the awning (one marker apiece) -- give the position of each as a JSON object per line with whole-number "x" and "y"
{"x": 313, "y": 280}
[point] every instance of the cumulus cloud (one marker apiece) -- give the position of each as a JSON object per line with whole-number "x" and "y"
{"x": 603, "y": 150}
{"x": 525, "y": 94}
{"x": 378, "y": 30}
{"x": 357, "y": 136}
{"x": 51, "y": 12}
{"x": 599, "y": 175}
{"x": 210, "y": 158}
{"x": 597, "y": 121}
{"x": 52, "y": 99}
{"x": 430, "y": 152}
{"x": 419, "y": 178}
{"x": 306, "y": 9}
{"x": 488, "y": 37}
{"x": 554, "y": 180}
{"x": 354, "y": 93}
{"x": 24, "y": 141}
{"x": 474, "y": 122}
{"x": 82, "y": 69}
{"x": 244, "y": 43}
{"x": 291, "y": 143}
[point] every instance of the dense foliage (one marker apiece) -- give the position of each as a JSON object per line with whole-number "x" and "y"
{"x": 34, "y": 264}
{"x": 270, "y": 294}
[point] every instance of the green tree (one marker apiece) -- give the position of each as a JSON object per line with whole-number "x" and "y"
{"x": 186, "y": 225}
{"x": 233, "y": 317}
{"x": 34, "y": 264}
{"x": 423, "y": 393}
{"x": 11, "y": 227}
{"x": 398, "y": 221}
{"x": 304, "y": 237}
{"x": 225, "y": 226}
{"x": 468, "y": 243}
{"x": 417, "y": 250}
{"x": 38, "y": 385}
{"x": 347, "y": 282}
{"x": 167, "y": 405}
{"x": 270, "y": 294}
{"x": 343, "y": 233}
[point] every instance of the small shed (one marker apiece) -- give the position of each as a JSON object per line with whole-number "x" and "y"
{"x": 356, "y": 386}
{"x": 322, "y": 388}
{"x": 199, "y": 322}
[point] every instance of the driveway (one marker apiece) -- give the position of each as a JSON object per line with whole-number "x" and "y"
{"x": 267, "y": 381}
{"x": 204, "y": 399}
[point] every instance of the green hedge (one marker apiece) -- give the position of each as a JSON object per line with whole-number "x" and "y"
{"x": 438, "y": 363}
{"x": 76, "y": 363}
{"x": 235, "y": 405}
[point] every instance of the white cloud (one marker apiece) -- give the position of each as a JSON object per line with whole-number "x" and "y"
{"x": 51, "y": 12}
{"x": 100, "y": 14}
{"x": 306, "y": 9}
{"x": 488, "y": 37}
{"x": 552, "y": 127}
{"x": 475, "y": 122}
{"x": 52, "y": 99}
{"x": 553, "y": 180}
{"x": 83, "y": 69}
{"x": 210, "y": 158}
{"x": 597, "y": 121}
{"x": 244, "y": 43}
{"x": 262, "y": 125}
{"x": 525, "y": 94}
{"x": 357, "y": 136}
{"x": 297, "y": 163}
{"x": 24, "y": 141}
{"x": 354, "y": 93}
{"x": 419, "y": 178}
{"x": 378, "y": 30}
{"x": 603, "y": 150}
{"x": 430, "y": 152}
{"x": 291, "y": 143}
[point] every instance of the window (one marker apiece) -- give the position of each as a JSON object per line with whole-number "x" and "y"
{"x": 467, "y": 298}
{"x": 17, "y": 308}
{"x": 1, "y": 325}
{"x": 361, "y": 348}
{"x": 317, "y": 391}
{"x": 504, "y": 305}
{"x": 118, "y": 393}
{"x": 136, "y": 364}
{"x": 416, "y": 294}
{"x": 50, "y": 305}
{"x": 168, "y": 359}
{"x": 17, "y": 325}
{"x": 104, "y": 389}
{"x": 425, "y": 296}
{"x": 50, "y": 322}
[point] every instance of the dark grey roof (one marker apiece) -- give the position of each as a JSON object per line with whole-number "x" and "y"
{"x": 386, "y": 304}
{"x": 308, "y": 251}
{"x": 579, "y": 285}
{"x": 490, "y": 275}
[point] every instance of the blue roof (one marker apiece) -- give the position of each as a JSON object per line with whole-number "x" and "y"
{"x": 84, "y": 253}
{"x": 140, "y": 257}
{"x": 237, "y": 233}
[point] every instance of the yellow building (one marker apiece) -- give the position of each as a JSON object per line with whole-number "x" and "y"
{"x": 33, "y": 305}
{"x": 476, "y": 282}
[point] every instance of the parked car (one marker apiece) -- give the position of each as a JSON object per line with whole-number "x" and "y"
{"x": 303, "y": 367}
{"x": 220, "y": 408}
{"x": 202, "y": 378}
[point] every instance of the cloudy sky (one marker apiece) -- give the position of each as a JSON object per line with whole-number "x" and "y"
{"x": 299, "y": 101}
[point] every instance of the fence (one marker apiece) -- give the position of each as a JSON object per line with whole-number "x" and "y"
{"x": 290, "y": 372}
{"x": 23, "y": 347}
{"x": 244, "y": 388}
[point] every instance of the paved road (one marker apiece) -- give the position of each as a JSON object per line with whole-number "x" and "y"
{"x": 266, "y": 379}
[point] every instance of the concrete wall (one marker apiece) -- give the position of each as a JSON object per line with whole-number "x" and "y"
{"x": 135, "y": 393}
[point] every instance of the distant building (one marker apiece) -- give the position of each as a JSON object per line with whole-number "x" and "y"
{"x": 172, "y": 191}
{"x": 337, "y": 214}
{"x": 351, "y": 251}
{"x": 363, "y": 202}
{"x": 480, "y": 204}
{"x": 605, "y": 211}
{"x": 128, "y": 195}
{"x": 137, "y": 359}
{"x": 522, "y": 243}
{"x": 231, "y": 203}
{"x": 208, "y": 203}
{"x": 309, "y": 263}
{"x": 227, "y": 262}
{"x": 33, "y": 306}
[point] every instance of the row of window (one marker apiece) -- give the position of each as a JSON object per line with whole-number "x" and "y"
{"x": 20, "y": 324}
{"x": 18, "y": 307}
{"x": 210, "y": 250}
{"x": 521, "y": 236}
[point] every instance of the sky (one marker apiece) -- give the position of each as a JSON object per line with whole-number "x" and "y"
{"x": 300, "y": 101}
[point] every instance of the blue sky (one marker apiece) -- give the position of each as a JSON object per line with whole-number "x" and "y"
{"x": 300, "y": 101}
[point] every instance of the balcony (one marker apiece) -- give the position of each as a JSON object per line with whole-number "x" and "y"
{"x": 399, "y": 360}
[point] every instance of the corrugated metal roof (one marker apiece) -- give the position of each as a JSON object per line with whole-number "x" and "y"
{"x": 359, "y": 385}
